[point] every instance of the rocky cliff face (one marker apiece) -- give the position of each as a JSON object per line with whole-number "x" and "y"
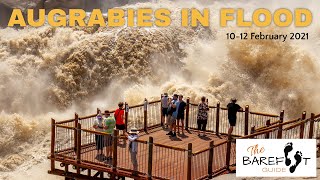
{"x": 6, "y": 6}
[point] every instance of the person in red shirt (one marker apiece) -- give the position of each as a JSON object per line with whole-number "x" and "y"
{"x": 119, "y": 116}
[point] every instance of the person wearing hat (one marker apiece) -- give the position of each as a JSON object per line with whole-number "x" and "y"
{"x": 164, "y": 107}
{"x": 133, "y": 148}
{"x": 233, "y": 108}
{"x": 98, "y": 125}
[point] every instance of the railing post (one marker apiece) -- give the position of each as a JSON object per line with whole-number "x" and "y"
{"x": 246, "y": 121}
{"x": 228, "y": 154}
{"x": 66, "y": 169}
{"x": 280, "y": 125}
{"x": 161, "y": 113}
{"x": 76, "y": 121}
{"x": 126, "y": 116}
{"x": 189, "y": 161}
{"x": 187, "y": 114}
{"x": 304, "y": 115}
{"x": 115, "y": 153}
{"x": 218, "y": 118}
{"x": 311, "y": 126}
{"x": 78, "y": 147}
{"x": 53, "y": 140}
{"x": 145, "y": 115}
{"x": 210, "y": 159}
{"x": 268, "y": 123}
{"x": 150, "y": 154}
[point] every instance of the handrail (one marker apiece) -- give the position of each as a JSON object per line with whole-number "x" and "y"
{"x": 141, "y": 105}
{"x": 153, "y": 102}
{"x": 86, "y": 117}
{"x": 63, "y": 126}
{"x": 93, "y": 115}
{"x": 277, "y": 125}
{"x": 271, "y": 124}
{"x": 264, "y": 114}
{"x": 275, "y": 122}
{"x": 221, "y": 143}
{"x": 213, "y": 107}
{"x": 193, "y": 104}
{"x": 223, "y": 108}
{"x": 65, "y": 121}
{"x": 201, "y": 151}
{"x": 256, "y": 134}
{"x": 297, "y": 124}
{"x": 136, "y": 106}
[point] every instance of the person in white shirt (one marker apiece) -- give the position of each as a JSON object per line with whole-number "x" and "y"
{"x": 133, "y": 148}
{"x": 164, "y": 106}
{"x": 98, "y": 125}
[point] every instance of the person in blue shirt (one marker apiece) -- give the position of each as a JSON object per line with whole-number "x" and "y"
{"x": 173, "y": 113}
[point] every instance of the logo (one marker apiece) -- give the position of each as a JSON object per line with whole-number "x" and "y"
{"x": 276, "y": 158}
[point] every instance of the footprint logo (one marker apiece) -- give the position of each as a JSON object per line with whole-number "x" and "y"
{"x": 288, "y": 148}
{"x": 297, "y": 157}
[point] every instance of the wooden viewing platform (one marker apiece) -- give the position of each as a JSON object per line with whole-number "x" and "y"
{"x": 163, "y": 157}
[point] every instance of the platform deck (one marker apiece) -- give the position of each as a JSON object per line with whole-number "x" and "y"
{"x": 168, "y": 163}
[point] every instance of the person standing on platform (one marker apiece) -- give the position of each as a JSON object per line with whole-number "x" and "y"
{"x": 233, "y": 108}
{"x": 202, "y": 117}
{"x": 119, "y": 116}
{"x": 133, "y": 148}
{"x": 173, "y": 115}
{"x": 180, "y": 116}
{"x": 110, "y": 124}
{"x": 98, "y": 125}
{"x": 164, "y": 108}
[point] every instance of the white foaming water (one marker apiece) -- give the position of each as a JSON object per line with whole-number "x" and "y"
{"x": 63, "y": 70}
